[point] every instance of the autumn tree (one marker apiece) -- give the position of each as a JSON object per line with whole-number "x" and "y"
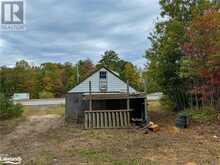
{"x": 203, "y": 48}
{"x": 51, "y": 80}
{"x": 131, "y": 74}
{"x": 70, "y": 76}
{"x": 85, "y": 67}
{"x": 166, "y": 54}
{"x": 54, "y": 79}
{"x": 125, "y": 69}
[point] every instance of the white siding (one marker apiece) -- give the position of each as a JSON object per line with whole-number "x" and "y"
{"x": 113, "y": 82}
{"x": 21, "y": 96}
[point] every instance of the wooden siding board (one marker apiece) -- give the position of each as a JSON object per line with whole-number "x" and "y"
{"x": 113, "y": 84}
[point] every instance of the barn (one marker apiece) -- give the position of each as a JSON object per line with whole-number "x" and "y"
{"x": 103, "y": 100}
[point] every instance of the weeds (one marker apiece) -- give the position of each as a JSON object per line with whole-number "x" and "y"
{"x": 205, "y": 114}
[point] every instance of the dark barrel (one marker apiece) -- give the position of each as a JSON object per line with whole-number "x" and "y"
{"x": 181, "y": 120}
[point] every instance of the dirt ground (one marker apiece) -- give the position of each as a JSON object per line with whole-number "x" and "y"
{"x": 45, "y": 139}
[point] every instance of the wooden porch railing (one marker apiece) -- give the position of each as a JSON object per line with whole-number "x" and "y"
{"x": 107, "y": 119}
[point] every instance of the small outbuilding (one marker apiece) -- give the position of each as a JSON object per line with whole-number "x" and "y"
{"x": 104, "y": 100}
{"x": 20, "y": 96}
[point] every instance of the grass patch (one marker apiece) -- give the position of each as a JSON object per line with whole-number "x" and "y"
{"x": 154, "y": 105}
{"x": 30, "y": 111}
{"x": 205, "y": 114}
{"x": 125, "y": 162}
{"x": 9, "y": 125}
{"x": 94, "y": 155}
{"x": 44, "y": 158}
{"x": 133, "y": 162}
{"x": 100, "y": 134}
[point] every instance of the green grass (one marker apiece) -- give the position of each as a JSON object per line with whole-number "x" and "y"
{"x": 205, "y": 114}
{"x": 153, "y": 105}
{"x": 29, "y": 111}
{"x": 103, "y": 157}
{"x": 90, "y": 154}
{"x": 94, "y": 155}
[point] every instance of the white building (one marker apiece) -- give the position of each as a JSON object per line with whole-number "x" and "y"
{"x": 103, "y": 80}
{"x": 104, "y": 92}
{"x": 21, "y": 96}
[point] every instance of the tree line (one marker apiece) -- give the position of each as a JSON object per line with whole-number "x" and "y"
{"x": 54, "y": 79}
{"x": 184, "y": 59}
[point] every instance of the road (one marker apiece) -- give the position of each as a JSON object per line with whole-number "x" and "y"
{"x": 59, "y": 101}
{"x": 40, "y": 102}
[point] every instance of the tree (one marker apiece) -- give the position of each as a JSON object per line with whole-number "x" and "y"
{"x": 52, "y": 76}
{"x": 8, "y": 109}
{"x": 203, "y": 48}
{"x": 131, "y": 74}
{"x": 21, "y": 74}
{"x": 85, "y": 68}
{"x": 32, "y": 84}
{"x": 165, "y": 56}
{"x": 111, "y": 60}
{"x": 70, "y": 74}
{"x": 125, "y": 69}
{"x": 7, "y": 81}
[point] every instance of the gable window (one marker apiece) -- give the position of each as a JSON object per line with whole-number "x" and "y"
{"x": 103, "y": 75}
{"x": 103, "y": 81}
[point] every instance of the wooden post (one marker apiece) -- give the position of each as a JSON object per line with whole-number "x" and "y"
{"x": 106, "y": 119}
{"x": 110, "y": 120}
{"x": 126, "y": 118}
{"x": 86, "y": 120}
{"x": 94, "y": 119}
{"x": 129, "y": 119}
{"x": 145, "y": 102}
{"x": 121, "y": 119}
{"x": 102, "y": 121}
{"x": 90, "y": 96}
{"x": 90, "y": 120}
{"x": 128, "y": 99}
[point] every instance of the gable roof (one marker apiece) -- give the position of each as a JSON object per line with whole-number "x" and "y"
{"x": 96, "y": 70}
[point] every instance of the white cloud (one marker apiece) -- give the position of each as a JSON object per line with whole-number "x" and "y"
{"x": 2, "y": 43}
{"x": 68, "y": 31}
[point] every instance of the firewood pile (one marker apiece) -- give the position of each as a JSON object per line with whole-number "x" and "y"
{"x": 152, "y": 127}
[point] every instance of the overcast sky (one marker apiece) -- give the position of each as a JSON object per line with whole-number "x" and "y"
{"x": 67, "y": 31}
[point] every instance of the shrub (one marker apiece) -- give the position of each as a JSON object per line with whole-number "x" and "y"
{"x": 167, "y": 103}
{"x": 46, "y": 94}
{"x": 202, "y": 115}
{"x": 217, "y": 106}
{"x": 8, "y": 109}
